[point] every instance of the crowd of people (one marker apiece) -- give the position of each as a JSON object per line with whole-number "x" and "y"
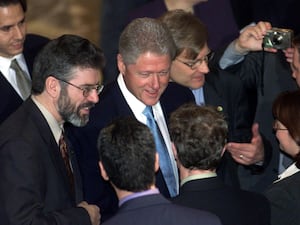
{"x": 196, "y": 128}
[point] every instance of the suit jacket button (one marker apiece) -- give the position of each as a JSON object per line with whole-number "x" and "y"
{"x": 219, "y": 108}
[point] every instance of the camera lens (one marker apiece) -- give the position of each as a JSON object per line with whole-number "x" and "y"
{"x": 277, "y": 39}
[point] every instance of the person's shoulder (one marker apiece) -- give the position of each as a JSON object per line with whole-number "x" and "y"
{"x": 174, "y": 88}
{"x": 33, "y": 36}
{"x": 288, "y": 183}
{"x": 192, "y": 215}
{"x": 110, "y": 92}
{"x": 36, "y": 39}
{"x": 32, "y": 45}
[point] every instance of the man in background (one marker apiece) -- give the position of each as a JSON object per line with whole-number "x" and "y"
{"x": 15, "y": 46}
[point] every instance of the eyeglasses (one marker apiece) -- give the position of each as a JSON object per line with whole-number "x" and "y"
{"x": 276, "y": 126}
{"x": 193, "y": 65}
{"x": 87, "y": 90}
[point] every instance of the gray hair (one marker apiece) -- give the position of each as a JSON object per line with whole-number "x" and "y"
{"x": 144, "y": 35}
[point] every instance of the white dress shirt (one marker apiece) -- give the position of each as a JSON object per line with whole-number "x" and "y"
{"x": 9, "y": 73}
{"x": 138, "y": 107}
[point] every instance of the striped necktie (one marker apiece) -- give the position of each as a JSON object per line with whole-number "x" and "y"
{"x": 65, "y": 155}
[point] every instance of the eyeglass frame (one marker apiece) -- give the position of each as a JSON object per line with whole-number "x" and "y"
{"x": 86, "y": 91}
{"x": 193, "y": 65}
{"x": 275, "y": 128}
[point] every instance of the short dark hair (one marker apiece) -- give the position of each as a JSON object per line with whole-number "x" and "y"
{"x": 5, "y": 3}
{"x": 61, "y": 56}
{"x": 286, "y": 109}
{"x": 127, "y": 151}
{"x": 199, "y": 134}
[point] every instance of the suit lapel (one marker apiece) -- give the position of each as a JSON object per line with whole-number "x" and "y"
{"x": 49, "y": 140}
{"x": 212, "y": 95}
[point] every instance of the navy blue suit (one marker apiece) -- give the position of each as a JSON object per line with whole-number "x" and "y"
{"x": 11, "y": 100}
{"x": 155, "y": 209}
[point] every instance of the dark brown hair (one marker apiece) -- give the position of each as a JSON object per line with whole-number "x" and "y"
{"x": 286, "y": 109}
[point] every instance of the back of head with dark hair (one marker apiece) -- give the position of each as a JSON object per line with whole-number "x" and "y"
{"x": 5, "y": 3}
{"x": 61, "y": 56}
{"x": 199, "y": 134}
{"x": 127, "y": 151}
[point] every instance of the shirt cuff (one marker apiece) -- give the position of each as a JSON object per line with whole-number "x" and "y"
{"x": 231, "y": 57}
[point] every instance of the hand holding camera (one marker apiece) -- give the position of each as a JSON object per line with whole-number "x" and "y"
{"x": 278, "y": 38}
{"x": 262, "y": 35}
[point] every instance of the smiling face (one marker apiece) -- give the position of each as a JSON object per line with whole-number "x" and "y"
{"x": 148, "y": 77}
{"x": 12, "y": 30}
{"x": 72, "y": 105}
{"x": 184, "y": 75}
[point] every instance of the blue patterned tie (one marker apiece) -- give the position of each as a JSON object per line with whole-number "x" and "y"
{"x": 161, "y": 148}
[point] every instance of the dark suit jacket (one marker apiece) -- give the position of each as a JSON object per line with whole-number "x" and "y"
{"x": 11, "y": 100}
{"x": 34, "y": 184}
{"x": 231, "y": 205}
{"x": 155, "y": 209}
{"x": 112, "y": 105}
{"x": 284, "y": 197}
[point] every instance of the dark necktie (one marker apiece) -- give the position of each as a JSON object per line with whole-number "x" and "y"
{"x": 164, "y": 158}
{"x": 23, "y": 82}
{"x": 65, "y": 155}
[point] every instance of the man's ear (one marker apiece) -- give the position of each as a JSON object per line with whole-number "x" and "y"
{"x": 223, "y": 150}
{"x": 156, "y": 165}
{"x": 121, "y": 64}
{"x": 103, "y": 171}
{"x": 52, "y": 86}
{"x": 174, "y": 150}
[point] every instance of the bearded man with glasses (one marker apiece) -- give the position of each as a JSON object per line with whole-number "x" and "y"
{"x": 41, "y": 182}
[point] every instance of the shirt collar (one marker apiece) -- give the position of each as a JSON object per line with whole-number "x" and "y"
{"x": 291, "y": 170}
{"x": 135, "y": 104}
{"x": 5, "y": 63}
{"x": 198, "y": 176}
{"x": 138, "y": 194}
{"x": 55, "y": 127}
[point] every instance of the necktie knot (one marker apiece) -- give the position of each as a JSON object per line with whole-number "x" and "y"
{"x": 148, "y": 112}
{"x": 23, "y": 82}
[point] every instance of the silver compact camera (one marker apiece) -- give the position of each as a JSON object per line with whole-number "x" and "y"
{"x": 278, "y": 38}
